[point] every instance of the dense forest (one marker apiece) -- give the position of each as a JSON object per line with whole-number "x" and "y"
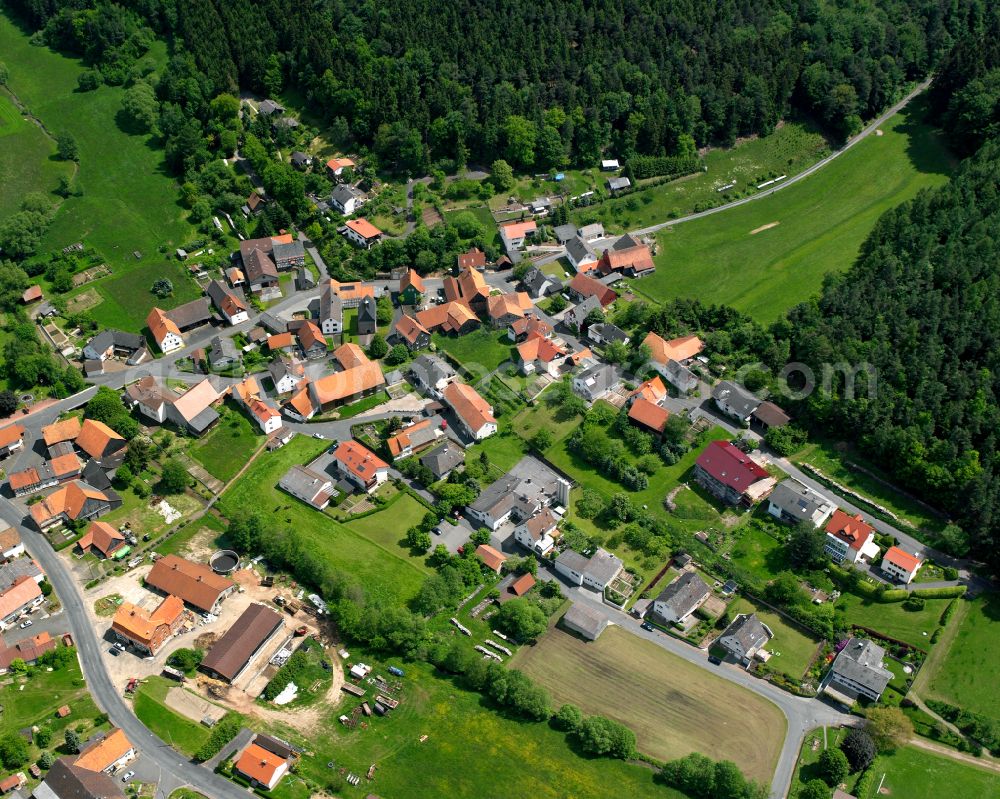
{"x": 542, "y": 83}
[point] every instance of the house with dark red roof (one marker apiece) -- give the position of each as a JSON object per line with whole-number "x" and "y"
{"x": 727, "y": 472}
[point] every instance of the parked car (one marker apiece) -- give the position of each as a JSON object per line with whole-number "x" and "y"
{"x": 317, "y": 435}
{"x": 714, "y": 660}
{"x": 436, "y": 531}
{"x": 115, "y": 651}
{"x": 26, "y": 623}
{"x": 120, "y": 646}
{"x": 127, "y": 776}
{"x": 647, "y": 626}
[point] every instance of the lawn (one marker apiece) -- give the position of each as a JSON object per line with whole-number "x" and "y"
{"x": 817, "y": 225}
{"x": 787, "y": 151}
{"x": 918, "y": 774}
{"x": 228, "y": 447}
{"x": 967, "y": 673}
{"x": 792, "y": 650}
{"x": 812, "y": 748}
{"x": 892, "y": 619}
{"x": 404, "y": 511}
{"x": 674, "y": 707}
{"x": 503, "y": 450}
{"x": 759, "y": 553}
{"x": 480, "y": 352}
{"x": 27, "y": 160}
{"x": 470, "y": 750}
{"x": 129, "y": 201}
{"x": 832, "y": 458}
{"x": 144, "y": 518}
{"x": 362, "y": 405}
{"x": 150, "y": 706}
{"x": 384, "y": 572}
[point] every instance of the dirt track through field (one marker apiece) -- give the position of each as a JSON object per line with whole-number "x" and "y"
{"x": 762, "y": 228}
{"x": 673, "y": 706}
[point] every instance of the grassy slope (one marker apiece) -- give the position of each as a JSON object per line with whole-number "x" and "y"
{"x": 892, "y": 619}
{"x": 27, "y": 160}
{"x": 967, "y": 673}
{"x": 225, "y": 450}
{"x": 673, "y": 706}
{"x": 919, "y": 774}
{"x": 151, "y": 708}
{"x": 471, "y": 750}
{"x": 380, "y": 569}
{"x": 823, "y": 221}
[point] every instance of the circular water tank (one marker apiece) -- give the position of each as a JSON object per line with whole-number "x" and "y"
{"x": 224, "y": 561}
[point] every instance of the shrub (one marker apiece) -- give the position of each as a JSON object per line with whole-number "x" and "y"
{"x": 833, "y": 766}
{"x": 944, "y": 592}
{"x": 221, "y": 735}
{"x": 859, "y": 748}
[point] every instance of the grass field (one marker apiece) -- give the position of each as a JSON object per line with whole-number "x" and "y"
{"x": 792, "y": 649}
{"x": 759, "y": 553}
{"x": 918, "y": 774}
{"x": 404, "y": 511}
{"x": 150, "y": 706}
{"x": 832, "y": 457}
{"x": 471, "y": 750}
{"x": 821, "y": 222}
{"x": 227, "y": 448}
{"x": 27, "y": 160}
{"x": 787, "y": 151}
{"x": 127, "y": 298}
{"x": 129, "y": 202}
{"x": 892, "y": 619}
{"x": 383, "y": 571}
{"x": 480, "y": 352}
{"x": 966, "y": 674}
{"x": 674, "y": 707}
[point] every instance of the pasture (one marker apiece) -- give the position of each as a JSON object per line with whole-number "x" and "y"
{"x": 892, "y": 619}
{"x": 965, "y": 676}
{"x": 674, "y": 707}
{"x": 27, "y": 161}
{"x": 129, "y": 201}
{"x": 227, "y": 448}
{"x": 385, "y": 572}
{"x": 480, "y": 352}
{"x": 735, "y": 259}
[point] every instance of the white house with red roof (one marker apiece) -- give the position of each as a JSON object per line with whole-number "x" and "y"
{"x": 850, "y": 538}
{"x": 900, "y": 565}
{"x": 360, "y": 466}
{"x": 732, "y": 475}
{"x": 362, "y": 233}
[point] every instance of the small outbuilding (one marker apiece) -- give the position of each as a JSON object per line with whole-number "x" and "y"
{"x": 585, "y": 621}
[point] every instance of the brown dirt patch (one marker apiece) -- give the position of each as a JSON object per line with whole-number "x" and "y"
{"x": 431, "y": 217}
{"x": 192, "y": 705}
{"x": 84, "y": 301}
{"x": 762, "y": 228}
{"x": 205, "y": 640}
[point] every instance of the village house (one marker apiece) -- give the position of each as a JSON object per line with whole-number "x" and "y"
{"x": 145, "y": 630}
{"x": 538, "y": 284}
{"x": 651, "y": 390}
{"x": 410, "y": 333}
{"x": 521, "y": 493}
{"x": 75, "y": 501}
{"x": 648, "y": 416}
{"x": 11, "y": 439}
{"x": 597, "y": 381}
{"x": 628, "y": 257}
{"x": 413, "y": 438}
{"x": 339, "y": 388}
{"x": 504, "y": 309}
{"x": 260, "y": 767}
{"x": 746, "y": 637}
{"x": 431, "y": 375}
{"x": 443, "y": 459}
{"x": 454, "y": 318}
{"x": 22, "y": 596}
{"x": 528, "y": 327}
{"x": 610, "y": 165}
{"x": 346, "y": 199}
{"x": 473, "y": 259}
{"x": 362, "y": 233}
{"x": 166, "y": 334}
{"x": 492, "y": 558}
{"x": 311, "y": 341}
{"x": 792, "y": 503}
{"x": 680, "y": 599}
{"x": 606, "y": 333}
{"x": 335, "y": 166}
{"x": 101, "y": 443}
{"x": 222, "y": 353}
{"x": 287, "y": 374}
{"x": 196, "y": 584}
{"x": 581, "y": 255}
{"x": 28, "y": 650}
{"x": 900, "y": 565}
{"x": 669, "y": 358}
{"x": 300, "y": 160}
{"x": 850, "y": 539}
{"x": 47, "y": 474}
{"x": 735, "y": 401}
{"x": 113, "y": 343}
{"x": 768, "y": 415}
{"x": 106, "y": 754}
{"x": 282, "y": 343}
{"x": 514, "y": 235}
{"x": 12, "y": 571}
{"x": 270, "y": 108}
{"x": 367, "y": 317}
{"x": 311, "y": 487}
{"x": 248, "y": 395}
{"x": 299, "y": 407}
{"x": 360, "y": 466}
{"x": 536, "y": 533}
{"x": 473, "y": 413}
{"x": 583, "y": 286}
{"x": 192, "y": 411}
{"x": 229, "y": 302}
{"x": 469, "y": 288}
{"x": 618, "y": 184}
{"x": 101, "y": 538}
{"x": 11, "y": 545}
{"x": 596, "y": 572}
{"x": 575, "y": 318}
{"x": 231, "y": 655}
{"x": 350, "y": 355}
{"x": 585, "y": 621}
{"x": 66, "y": 781}
{"x": 729, "y": 474}
{"x": 539, "y": 354}
{"x": 858, "y": 670}
{"x": 411, "y": 288}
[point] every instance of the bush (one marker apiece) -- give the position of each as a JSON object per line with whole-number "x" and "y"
{"x": 568, "y": 718}
{"x": 833, "y": 767}
{"x": 946, "y": 592}
{"x": 602, "y": 736}
{"x": 859, "y": 749}
{"x": 187, "y": 660}
{"x": 222, "y": 733}
{"x": 913, "y": 603}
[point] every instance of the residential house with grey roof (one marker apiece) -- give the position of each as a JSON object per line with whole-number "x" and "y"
{"x": 346, "y": 199}
{"x": 584, "y": 620}
{"x": 596, "y": 382}
{"x": 681, "y": 598}
{"x": 580, "y": 254}
{"x": 575, "y": 318}
{"x": 596, "y": 572}
{"x": 792, "y": 502}
{"x": 744, "y": 638}
{"x": 538, "y": 284}
{"x": 858, "y": 670}
{"x": 443, "y": 459}
{"x": 111, "y": 343}
{"x": 527, "y": 488}
{"x": 223, "y": 354}
{"x": 432, "y": 374}
{"x": 735, "y": 401}
{"x": 311, "y": 487}
{"x": 605, "y": 333}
